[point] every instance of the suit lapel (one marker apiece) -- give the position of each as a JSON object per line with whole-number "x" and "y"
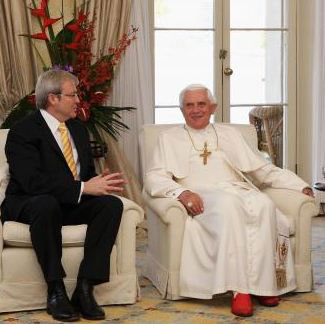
{"x": 47, "y": 134}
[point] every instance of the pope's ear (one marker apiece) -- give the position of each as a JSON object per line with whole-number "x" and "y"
{"x": 213, "y": 107}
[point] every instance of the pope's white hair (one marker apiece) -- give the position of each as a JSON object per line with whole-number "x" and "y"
{"x": 193, "y": 87}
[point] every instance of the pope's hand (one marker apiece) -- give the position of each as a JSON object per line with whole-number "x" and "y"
{"x": 308, "y": 191}
{"x": 104, "y": 184}
{"x": 192, "y": 202}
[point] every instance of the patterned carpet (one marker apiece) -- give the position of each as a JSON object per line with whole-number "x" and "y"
{"x": 306, "y": 308}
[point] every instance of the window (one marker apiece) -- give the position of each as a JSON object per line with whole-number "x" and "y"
{"x": 258, "y": 55}
{"x": 184, "y": 47}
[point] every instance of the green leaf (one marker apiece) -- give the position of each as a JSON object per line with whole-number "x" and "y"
{"x": 75, "y": 9}
{"x": 20, "y": 110}
{"x": 65, "y": 36}
{"x": 108, "y": 119}
{"x": 93, "y": 130}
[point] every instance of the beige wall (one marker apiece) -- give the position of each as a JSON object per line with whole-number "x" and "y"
{"x": 305, "y": 19}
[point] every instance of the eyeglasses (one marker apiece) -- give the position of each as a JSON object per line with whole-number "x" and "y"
{"x": 71, "y": 95}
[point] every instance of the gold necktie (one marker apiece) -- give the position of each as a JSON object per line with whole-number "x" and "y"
{"x": 67, "y": 149}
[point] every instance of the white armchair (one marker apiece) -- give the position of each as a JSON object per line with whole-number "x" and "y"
{"x": 166, "y": 219}
{"x": 22, "y": 286}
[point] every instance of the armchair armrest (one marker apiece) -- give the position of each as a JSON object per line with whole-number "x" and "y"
{"x": 163, "y": 207}
{"x": 166, "y": 223}
{"x": 126, "y": 238}
{"x": 131, "y": 205}
{"x": 292, "y": 203}
{"x": 301, "y": 208}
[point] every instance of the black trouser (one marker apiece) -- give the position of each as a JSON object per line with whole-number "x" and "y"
{"x": 46, "y": 218}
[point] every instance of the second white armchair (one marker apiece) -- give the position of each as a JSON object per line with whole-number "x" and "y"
{"x": 166, "y": 219}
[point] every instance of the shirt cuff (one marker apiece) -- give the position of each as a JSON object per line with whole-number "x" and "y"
{"x": 175, "y": 193}
{"x": 81, "y": 190}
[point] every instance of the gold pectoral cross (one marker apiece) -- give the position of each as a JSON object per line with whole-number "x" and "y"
{"x": 205, "y": 153}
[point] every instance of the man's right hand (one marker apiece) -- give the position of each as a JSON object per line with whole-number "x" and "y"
{"x": 192, "y": 202}
{"x": 104, "y": 184}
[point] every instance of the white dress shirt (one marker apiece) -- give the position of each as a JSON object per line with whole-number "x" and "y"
{"x": 53, "y": 125}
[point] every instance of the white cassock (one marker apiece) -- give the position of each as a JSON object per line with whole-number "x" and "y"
{"x": 235, "y": 243}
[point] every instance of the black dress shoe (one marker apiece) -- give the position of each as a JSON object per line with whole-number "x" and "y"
{"x": 59, "y": 306}
{"x": 84, "y": 301}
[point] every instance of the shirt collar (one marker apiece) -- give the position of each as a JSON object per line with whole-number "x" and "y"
{"x": 198, "y": 131}
{"x": 51, "y": 121}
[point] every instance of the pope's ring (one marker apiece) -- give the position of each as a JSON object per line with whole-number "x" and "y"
{"x": 189, "y": 204}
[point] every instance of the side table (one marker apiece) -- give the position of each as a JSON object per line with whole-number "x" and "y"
{"x": 320, "y": 186}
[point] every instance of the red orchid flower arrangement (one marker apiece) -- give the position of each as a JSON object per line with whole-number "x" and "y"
{"x": 71, "y": 50}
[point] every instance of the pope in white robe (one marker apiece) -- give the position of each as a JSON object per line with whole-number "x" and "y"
{"x": 236, "y": 240}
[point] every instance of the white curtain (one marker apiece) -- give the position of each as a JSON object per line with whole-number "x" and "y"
{"x": 319, "y": 96}
{"x": 133, "y": 85}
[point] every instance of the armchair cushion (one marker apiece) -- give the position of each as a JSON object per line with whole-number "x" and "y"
{"x": 17, "y": 234}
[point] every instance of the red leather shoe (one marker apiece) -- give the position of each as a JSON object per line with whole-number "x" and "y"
{"x": 269, "y": 301}
{"x": 241, "y": 305}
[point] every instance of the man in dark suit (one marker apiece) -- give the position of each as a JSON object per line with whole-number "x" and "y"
{"x": 53, "y": 183}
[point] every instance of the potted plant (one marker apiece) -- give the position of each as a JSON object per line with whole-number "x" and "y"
{"x": 71, "y": 49}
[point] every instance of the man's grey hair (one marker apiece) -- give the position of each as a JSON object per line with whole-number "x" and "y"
{"x": 193, "y": 87}
{"x": 51, "y": 81}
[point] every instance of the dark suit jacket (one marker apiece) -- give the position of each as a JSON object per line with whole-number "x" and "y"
{"x": 37, "y": 165}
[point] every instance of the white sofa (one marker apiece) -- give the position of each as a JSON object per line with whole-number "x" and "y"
{"x": 22, "y": 286}
{"x": 166, "y": 218}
